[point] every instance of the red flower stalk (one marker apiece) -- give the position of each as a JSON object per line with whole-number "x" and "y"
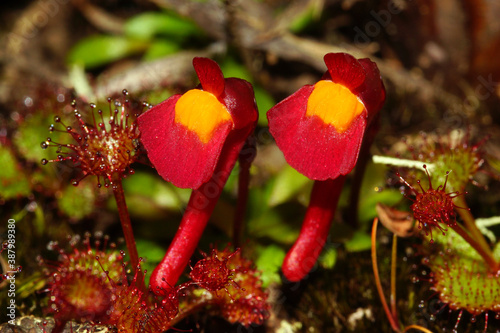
{"x": 193, "y": 140}
{"x": 320, "y": 129}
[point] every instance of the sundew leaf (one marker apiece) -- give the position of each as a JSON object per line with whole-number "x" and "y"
{"x": 145, "y": 26}
{"x": 13, "y": 181}
{"x": 30, "y": 135}
{"x": 77, "y": 202}
{"x": 99, "y": 50}
{"x": 460, "y": 276}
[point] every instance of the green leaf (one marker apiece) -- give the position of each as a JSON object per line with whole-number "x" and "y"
{"x": 13, "y": 181}
{"x": 306, "y": 17}
{"x": 271, "y": 224}
{"x": 269, "y": 264}
{"x": 373, "y": 192}
{"x": 160, "y": 48}
{"x": 328, "y": 258}
{"x": 99, "y": 50}
{"x": 360, "y": 241}
{"x": 287, "y": 184}
{"x": 78, "y": 201}
{"x": 147, "y": 25}
{"x": 146, "y": 194}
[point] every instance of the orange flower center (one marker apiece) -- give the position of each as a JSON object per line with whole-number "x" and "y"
{"x": 335, "y": 104}
{"x": 201, "y": 112}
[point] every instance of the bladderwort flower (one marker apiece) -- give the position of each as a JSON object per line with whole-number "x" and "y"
{"x": 193, "y": 140}
{"x": 320, "y": 129}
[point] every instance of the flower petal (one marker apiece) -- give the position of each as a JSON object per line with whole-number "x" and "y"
{"x": 312, "y": 147}
{"x": 177, "y": 153}
{"x": 345, "y": 69}
{"x": 239, "y": 99}
{"x": 372, "y": 91}
{"x": 210, "y": 75}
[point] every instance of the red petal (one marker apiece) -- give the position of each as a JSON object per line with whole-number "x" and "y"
{"x": 239, "y": 100}
{"x": 177, "y": 153}
{"x": 372, "y": 91}
{"x": 310, "y": 146}
{"x": 210, "y": 75}
{"x": 345, "y": 69}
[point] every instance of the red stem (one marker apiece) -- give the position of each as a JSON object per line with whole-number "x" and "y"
{"x": 319, "y": 215}
{"x": 199, "y": 209}
{"x": 246, "y": 157}
{"x": 126, "y": 226}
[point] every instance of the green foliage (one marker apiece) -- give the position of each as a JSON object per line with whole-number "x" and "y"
{"x": 373, "y": 191}
{"x": 31, "y": 133}
{"x": 286, "y": 185}
{"x": 307, "y": 17}
{"x": 13, "y": 181}
{"x": 147, "y": 195}
{"x": 328, "y": 257}
{"x": 269, "y": 263}
{"x": 148, "y": 25}
{"x": 77, "y": 202}
{"x": 360, "y": 241}
{"x": 461, "y": 277}
{"x": 99, "y": 50}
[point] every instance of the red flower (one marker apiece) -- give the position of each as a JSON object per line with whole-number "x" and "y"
{"x": 193, "y": 140}
{"x": 184, "y": 135}
{"x": 320, "y": 127}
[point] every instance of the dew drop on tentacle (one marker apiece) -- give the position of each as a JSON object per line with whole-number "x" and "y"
{"x": 44, "y": 161}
